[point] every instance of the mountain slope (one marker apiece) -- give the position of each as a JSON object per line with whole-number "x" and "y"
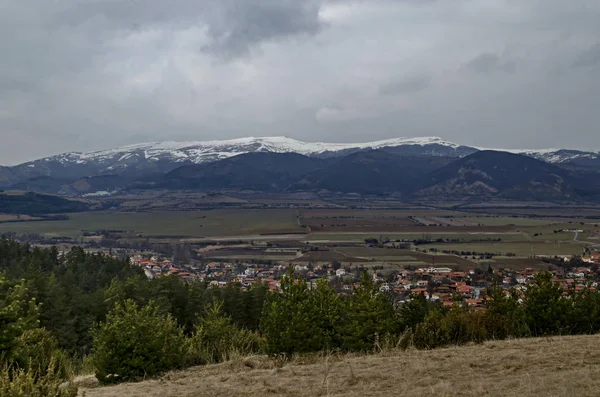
{"x": 488, "y": 174}
{"x": 162, "y": 157}
{"x": 563, "y": 156}
{"x": 366, "y": 172}
{"x": 7, "y": 176}
{"x": 372, "y": 172}
{"x": 144, "y": 165}
{"x": 251, "y": 171}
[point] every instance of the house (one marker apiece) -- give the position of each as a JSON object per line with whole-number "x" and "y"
{"x": 149, "y": 274}
{"x": 465, "y": 290}
{"x": 406, "y": 284}
{"x": 265, "y": 273}
{"x": 474, "y": 302}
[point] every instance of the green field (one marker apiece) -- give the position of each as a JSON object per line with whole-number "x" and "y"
{"x": 171, "y": 223}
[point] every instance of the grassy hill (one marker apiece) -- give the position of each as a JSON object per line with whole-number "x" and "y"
{"x": 558, "y": 366}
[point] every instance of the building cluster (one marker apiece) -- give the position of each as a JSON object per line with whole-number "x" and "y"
{"x": 437, "y": 284}
{"x": 593, "y": 257}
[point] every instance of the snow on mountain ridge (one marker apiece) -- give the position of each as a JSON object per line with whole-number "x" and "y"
{"x": 200, "y": 151}
{"x": 204, "y": 151}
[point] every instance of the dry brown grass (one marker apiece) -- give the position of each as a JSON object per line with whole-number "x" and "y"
{"x": 561, "y": 366}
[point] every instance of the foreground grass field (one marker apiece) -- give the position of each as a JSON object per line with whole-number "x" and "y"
{"x": 559, "y": 366}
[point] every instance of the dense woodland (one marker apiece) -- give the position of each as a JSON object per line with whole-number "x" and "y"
{"x": 38, "y": 204}
{"x": 60, "y": 313}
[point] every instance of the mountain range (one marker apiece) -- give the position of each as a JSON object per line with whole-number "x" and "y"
{"x": 407, "y": 167}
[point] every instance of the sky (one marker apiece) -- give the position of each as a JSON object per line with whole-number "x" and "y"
{"x": 83, "y": 75}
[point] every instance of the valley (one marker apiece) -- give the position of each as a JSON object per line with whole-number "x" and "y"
{"x": 314, "y": 234}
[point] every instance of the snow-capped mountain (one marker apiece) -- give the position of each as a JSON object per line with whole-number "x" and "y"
{"x": 201, "y": 152}
{"x": 559, "y": 156}
{"x": 160, "y": 157}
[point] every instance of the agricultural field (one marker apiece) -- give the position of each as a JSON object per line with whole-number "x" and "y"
{"x": 551, "y": 212}
{"x": 521, "y": 249}
{"x": 339, "y": 234}
{"x": 401, "y": 257}
{"x": 168, "y": 223}
{"x": 509, "y": 221}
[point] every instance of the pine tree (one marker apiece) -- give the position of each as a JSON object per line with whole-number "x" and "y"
{"x": 135, "y": 343}
{"x": 18, "y": 314}
{"x": 546, "y": 311}
{"x": 370, "y": 315}
{"x": 298, "y": 320}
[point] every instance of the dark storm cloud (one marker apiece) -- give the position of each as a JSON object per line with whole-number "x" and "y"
{"x": 94, "y": 74}
{"x": 242, "y": 24}
{"x": 233, "y": 26}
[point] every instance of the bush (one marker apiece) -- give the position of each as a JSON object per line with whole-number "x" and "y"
{"x": 415, "y": 310}
{"x": 457, "y": 327}
{"x": 217, "y": 339}
{"x": 18, "y": 382}
{"x": 137, "y": 343}
{"x": 37, "y": 351}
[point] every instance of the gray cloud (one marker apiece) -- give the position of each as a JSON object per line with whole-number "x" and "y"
{"x": 488, "y": 63}
{"x": 405, "y": 86}
{"x": 242, "y": 24}
{"x": 590, "y": 57}
{"x": 94, "y": 74}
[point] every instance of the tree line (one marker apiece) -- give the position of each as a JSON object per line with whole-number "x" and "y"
{"x": 59, "y": 312}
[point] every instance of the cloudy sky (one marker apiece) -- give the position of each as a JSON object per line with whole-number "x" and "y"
{"x": 96, "y": 74}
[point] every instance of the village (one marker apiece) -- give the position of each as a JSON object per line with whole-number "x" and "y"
{"x": 443, "y": 285}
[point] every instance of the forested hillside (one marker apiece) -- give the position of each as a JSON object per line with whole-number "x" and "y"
{"x": 38, "y": 204}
